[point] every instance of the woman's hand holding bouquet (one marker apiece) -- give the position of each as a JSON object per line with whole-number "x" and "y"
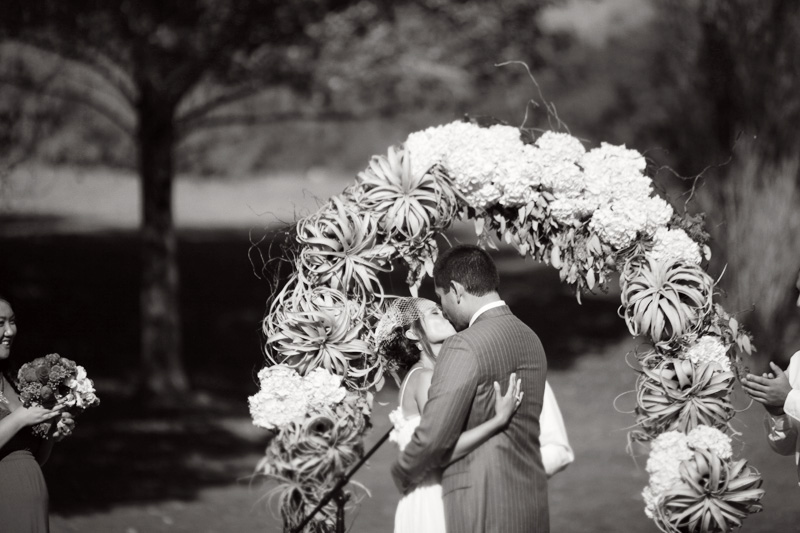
{"x": 56, "y": 382}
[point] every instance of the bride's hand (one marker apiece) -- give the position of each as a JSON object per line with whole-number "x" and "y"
{"x": 506, "y": 405}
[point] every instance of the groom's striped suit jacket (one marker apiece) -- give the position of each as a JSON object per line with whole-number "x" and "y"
{"x": 500, "y": 487}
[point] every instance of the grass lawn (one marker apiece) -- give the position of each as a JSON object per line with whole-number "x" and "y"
{"x": 130, "y": 470}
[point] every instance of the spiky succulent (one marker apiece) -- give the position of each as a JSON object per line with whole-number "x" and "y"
{"x": 341, "y": 249}
{"x": 409, "y": 206}
{"x": 664, "y": 300}
{"x": 715, "y": 496}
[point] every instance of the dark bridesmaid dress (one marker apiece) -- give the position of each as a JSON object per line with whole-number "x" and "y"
{"x": 23, "y": 492}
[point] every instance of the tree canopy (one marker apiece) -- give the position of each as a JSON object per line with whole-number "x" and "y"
{"x": 159, "y": 71}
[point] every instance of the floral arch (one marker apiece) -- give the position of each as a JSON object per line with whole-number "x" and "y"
{"x": 586, "y": 213}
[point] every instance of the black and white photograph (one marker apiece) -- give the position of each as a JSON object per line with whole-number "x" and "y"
{"x": 375, "y": 266}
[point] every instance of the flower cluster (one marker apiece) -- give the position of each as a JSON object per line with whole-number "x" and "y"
{"x": 620, "y": 222}
{"x": 40, "y": 380}
{"x": 323, "y": 389}
{"x": 709, "y": 349}
{"x": 52, "y": 380}
{"x": 696, "y": 486}
{"x": 559, "y": 156}
{"x": 488, "y": 165}
{"x": 308, "y": 454}
{"x": 285, "y": 396}
{"x": 668, "y": 451}
{"x": 674, "y": 245}
{"x": 280, "y": 399}
{"x": 615, "y": 173}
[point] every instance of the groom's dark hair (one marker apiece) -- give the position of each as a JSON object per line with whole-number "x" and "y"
{"x": 469, "y": 265}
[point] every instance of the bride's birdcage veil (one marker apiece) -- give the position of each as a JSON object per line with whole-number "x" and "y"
{"x": 401, "y": 313}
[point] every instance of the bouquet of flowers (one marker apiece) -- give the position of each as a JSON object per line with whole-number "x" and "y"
{"x": 54, "y": 380}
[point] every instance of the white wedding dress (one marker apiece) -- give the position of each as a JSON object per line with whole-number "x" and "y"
{"x": 422, "y": 509}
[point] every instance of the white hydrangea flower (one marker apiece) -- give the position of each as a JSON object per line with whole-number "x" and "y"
{"x": 518, "y": 194}
{"x": 492, "y": 165}
{"x": 659, "y": 212}
{"x": 483, "y": 197}
{"x": 620, "y": 222}
{"x": 323, "y": 389}
{"x": 559, "y": 154}
{"x": 479, "y": 160}
{"x": 663, "y": 465}
{"x": 712, "y": 439}
{"x": 565, "y": 179}
{"x": 613, "y": 173}
{"x": 674, "y": 245}
{"x": 519, "y": 177}
{"x": 708, "y": 349}
{"x": 281, "y": 398}
{"x": 650, "y": 502}
{"x": 666, "y": 453}
{"x": 564, "y": 210}
{"x": 609, "y": 161}
{"x": 560, "y": 146}
{"x": 429, "y": 147}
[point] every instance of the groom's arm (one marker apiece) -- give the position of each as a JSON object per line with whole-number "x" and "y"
{"x": 453, "y": 387}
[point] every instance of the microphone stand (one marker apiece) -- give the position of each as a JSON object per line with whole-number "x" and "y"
{"x": 339, "y": 494}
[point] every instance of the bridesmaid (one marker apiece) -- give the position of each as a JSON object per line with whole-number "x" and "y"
{"x": 23, "y": 492}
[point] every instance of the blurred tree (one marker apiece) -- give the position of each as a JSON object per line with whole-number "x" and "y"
{"x": 161, "y": 71}
{"x": 716, "y": 69}
{"x": 724, "y": 78}
{"x": 156, "y": 70}
{"x": 23, "y": 122}
{"x": 431, "y": 54}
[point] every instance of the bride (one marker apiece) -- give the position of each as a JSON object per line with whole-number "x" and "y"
{"x": 410, "y": 334}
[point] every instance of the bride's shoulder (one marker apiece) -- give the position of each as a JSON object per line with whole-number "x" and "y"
{"x": 419, "y": 375}
{"x": 417, "y": 382}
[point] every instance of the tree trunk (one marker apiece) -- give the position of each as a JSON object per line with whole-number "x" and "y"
{"x": 163, "y": 374}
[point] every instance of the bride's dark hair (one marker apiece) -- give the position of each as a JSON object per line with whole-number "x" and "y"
{"x": 403, "y": 351}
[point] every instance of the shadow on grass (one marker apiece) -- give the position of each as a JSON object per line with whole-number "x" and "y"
{"x": 78, "y": 295}
{"x": 122, "y": 455}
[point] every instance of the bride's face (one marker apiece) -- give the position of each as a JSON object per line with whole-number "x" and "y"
{"x": 437, "y": 327}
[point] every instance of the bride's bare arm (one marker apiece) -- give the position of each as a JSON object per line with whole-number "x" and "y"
{"x": 505, "y": 406}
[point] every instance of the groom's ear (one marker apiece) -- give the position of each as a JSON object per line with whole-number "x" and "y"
{"x": 458, "y": 289}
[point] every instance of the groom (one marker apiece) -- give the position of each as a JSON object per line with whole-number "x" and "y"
{"x": 501, "y": 486}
